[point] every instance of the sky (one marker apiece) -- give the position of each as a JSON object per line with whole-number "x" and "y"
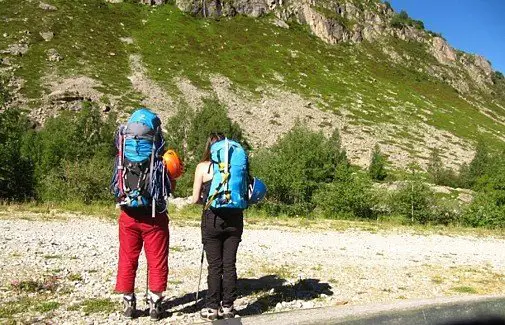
{"x": 473, "y": 26}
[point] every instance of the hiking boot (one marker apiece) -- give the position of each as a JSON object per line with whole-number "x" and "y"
{"x": 155, "y": 309}
{"x": 227, "y": 312}
{"x": 129, "y": 306}
{"x": 208, "y": 314}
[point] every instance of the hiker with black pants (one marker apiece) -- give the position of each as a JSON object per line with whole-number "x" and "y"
{"x": 221, "y": 234}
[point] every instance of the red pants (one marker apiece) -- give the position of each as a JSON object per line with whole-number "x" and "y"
{"x": 135, "y": 230}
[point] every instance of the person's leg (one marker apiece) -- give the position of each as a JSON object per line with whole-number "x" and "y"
{"x": 156, "y": 241}
{"x": 213, "y": 250}
{"x": 130, "y": 245}
{"x": 155, "y": 234}
{"x": 234, "y": 225}
{"x": 213, "y": 246}
{"x": 230, "y": 247}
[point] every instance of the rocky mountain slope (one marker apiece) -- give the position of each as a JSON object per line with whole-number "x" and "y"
{"x": 356, "y": 65}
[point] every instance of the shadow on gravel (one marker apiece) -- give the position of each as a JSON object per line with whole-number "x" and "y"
{"x": 268, "y": 291}
{"x": 271, "y": 290}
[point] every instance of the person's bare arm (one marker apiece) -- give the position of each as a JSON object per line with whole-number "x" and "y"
{"x": 197, "y": 184}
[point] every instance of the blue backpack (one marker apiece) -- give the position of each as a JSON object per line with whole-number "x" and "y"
{"x": 139, "y": 178}
{"x": 229, "y": 186}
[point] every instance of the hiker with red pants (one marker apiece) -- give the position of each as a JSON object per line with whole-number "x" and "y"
{"x": 222, "y": 184}
{"x": 141, "y": 183}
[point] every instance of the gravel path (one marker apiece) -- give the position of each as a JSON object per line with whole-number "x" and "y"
{"x": 64, "y": 269}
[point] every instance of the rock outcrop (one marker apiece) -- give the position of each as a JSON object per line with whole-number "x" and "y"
{"x": 336, "y": 21}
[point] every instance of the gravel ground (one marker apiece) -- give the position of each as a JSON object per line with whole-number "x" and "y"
{"x": 62, "y": 270}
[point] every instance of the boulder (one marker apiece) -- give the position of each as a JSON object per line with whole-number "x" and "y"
{"x": 47, "y": 36}
{"x": 53, "y": 55}
{"x": 45, "y": 6}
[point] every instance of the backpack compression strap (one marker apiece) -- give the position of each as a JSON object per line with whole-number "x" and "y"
{"x": 225, "y": 170}
{"x": 216, "y": 192}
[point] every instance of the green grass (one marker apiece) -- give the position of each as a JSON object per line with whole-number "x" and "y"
{"x": 47, "y": 306}
{"x": 196, "y": 48}
{"x": 11, "y": 308}
{"x": 25, "y": 304}
{"x": 29, "y": 286}
{"x": 74, "y": 277}
{"x": 282, "y": 271}
{"x": 464, "y": 289}
{"x": 251, "y": 53}
{"x": 86, "y": 33}
{"x": 176, "y": 248}
{"x": 174, "y": 282}
{"x": 49, "y": 257}
{"x": 93, "y": 306}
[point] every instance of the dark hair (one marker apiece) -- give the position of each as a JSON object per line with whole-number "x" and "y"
{"x": 213, "y": 138}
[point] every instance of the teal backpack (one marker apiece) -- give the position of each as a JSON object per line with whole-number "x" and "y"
{"x": 229, "y": 186}
{"x": 139, "y": 178}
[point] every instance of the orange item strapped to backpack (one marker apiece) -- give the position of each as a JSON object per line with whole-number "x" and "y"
{"x": 173, "y": 164}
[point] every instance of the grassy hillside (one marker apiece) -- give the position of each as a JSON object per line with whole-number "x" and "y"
{"x": 86, "y": 33}
{"x": 345, "y": 79}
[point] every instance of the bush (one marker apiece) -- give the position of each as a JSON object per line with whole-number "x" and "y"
{"x": 388, "y": 5}
{"x": 446, "y": 212}
{"x": 414, "y": 200}
{"x": 83, "y": 181}
{"x": 74, "y": 154}
{"x": 297, "y": 166}
{"x": 349, "y": 195}
{"x": 480, "y": 165}
{"x": 16, "y": 169}
{"x": 497, "y": 76}
{"x": 4, "y": 94}
{"x": 438, "y": 173}
{"x": 488, "y": 208}
{"x": 74, "y": 136}
{"x": 402, "y": 19}
{"x": 377, "y": 168}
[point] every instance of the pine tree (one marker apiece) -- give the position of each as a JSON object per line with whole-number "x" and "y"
{"x": 377, "y": 168}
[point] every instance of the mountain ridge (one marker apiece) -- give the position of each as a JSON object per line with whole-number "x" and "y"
{"x": 401, "y": 87}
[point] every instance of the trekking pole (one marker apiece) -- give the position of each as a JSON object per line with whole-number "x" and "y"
{"x": 199, "y": 278}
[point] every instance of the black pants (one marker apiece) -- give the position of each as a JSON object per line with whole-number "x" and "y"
{"x": 221, "y": 234}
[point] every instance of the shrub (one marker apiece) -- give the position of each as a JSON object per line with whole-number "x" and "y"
{"x": 211, "y": 118}
{"x": 350, "y": 194}
{"x": 84, "y": 181}
{"x": 438, "y": 173}
{"x": 74, "y": 154}
{"x": 402, "y": 19}
{"x": 4, "y": 94}
{"x": 16, "y": 169}
{"x": 480, "y": 164}
{"x": 414, "y": 199}
{"x": 446, "y": 212}
{"x": 488, "y": 208}
{"x": 377, "y": 168}
{"x": 295, "y": 167}
{"x": 74, "y": 136}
